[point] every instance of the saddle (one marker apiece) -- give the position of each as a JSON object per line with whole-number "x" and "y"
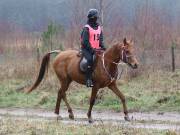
{"x": 83, "y": 61}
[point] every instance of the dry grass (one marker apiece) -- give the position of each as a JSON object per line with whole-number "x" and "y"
{"x": 38, "y": 127}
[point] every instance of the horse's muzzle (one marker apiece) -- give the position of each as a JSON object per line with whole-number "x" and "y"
{"x": 134, "y": 66}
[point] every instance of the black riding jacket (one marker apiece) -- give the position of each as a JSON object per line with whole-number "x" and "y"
{"x": 85, "y": 37}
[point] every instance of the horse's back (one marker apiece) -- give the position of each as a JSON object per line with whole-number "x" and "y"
{"x": 66, "y": 55}
{"x": 66, "y": 64}
{"x": 65, "y": 59}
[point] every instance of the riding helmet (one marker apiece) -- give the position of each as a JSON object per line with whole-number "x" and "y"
{"x": 93, "y": 13}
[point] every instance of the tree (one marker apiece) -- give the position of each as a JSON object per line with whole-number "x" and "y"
{"x": 47, "y": 37}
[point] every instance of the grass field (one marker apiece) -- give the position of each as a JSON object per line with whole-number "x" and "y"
{"x": 153, "y": 91}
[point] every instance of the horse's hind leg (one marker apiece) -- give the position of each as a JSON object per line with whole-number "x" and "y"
{"x": 71, "y": 115}
{"x": 61, "y": 94}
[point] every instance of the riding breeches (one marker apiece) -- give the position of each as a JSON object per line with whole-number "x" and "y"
{"x": 89, "y": 57}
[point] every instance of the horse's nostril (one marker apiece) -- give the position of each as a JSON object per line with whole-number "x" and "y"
{"x": 135, "y": 66}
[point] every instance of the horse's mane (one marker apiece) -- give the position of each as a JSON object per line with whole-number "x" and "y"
{"x": 114, "y": 46}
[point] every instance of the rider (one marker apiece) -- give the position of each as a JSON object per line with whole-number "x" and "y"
{"x": 92, "y": 38}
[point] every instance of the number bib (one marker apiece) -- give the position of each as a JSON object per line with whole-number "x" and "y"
{"x": 94, "y": 36}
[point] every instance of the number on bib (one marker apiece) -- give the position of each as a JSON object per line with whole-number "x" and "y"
{"x": 96, "y": 37}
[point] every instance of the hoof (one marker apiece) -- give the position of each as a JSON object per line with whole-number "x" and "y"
{"x": 127, "y": 118}
{"x": 58, "y": 117}
{"x": 71, "y": 116}
{"x": 90, "y": 120}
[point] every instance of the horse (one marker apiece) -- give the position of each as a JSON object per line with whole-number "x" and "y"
{"x": 66, "y": 67}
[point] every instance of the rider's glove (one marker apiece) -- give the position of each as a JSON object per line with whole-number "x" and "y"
{"x": 92, "y": 51}
{"x": 103, "y": 48}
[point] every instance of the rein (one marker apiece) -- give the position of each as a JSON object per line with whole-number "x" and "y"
{"x": 107, "y": 72}
{"x": 122, "y": 61}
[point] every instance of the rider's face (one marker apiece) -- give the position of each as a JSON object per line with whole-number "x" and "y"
{"x": 94, "y": 19}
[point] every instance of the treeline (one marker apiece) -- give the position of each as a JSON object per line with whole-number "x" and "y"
{"x": 152, "y": 24}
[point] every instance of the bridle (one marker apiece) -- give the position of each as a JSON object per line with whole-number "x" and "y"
{"x": 124, "y": 55}
{"x": 123, "y": 60}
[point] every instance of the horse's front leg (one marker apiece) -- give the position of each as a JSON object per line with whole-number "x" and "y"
{"x": 92, "y": 101}
{"x": 114, "y": 88}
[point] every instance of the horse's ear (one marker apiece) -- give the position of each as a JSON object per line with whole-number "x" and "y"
{"x": 132, "y": 41}
{"x": 124, "y": 41}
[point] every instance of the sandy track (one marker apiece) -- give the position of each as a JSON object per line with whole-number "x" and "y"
{"x": 152, "y": 120}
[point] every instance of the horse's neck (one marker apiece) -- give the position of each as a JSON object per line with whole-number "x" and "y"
{"x": 112, "y": 54}
{"x": 111, "y": 57}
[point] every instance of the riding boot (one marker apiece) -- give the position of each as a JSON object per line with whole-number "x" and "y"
{"x": 89, "y": 82}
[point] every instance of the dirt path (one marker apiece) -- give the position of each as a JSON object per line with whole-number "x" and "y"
{"x": 152, "y": 120}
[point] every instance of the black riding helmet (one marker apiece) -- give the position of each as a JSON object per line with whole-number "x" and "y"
{"x": 93, "y": 13}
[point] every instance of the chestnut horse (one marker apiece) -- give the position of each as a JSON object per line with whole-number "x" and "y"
{"x": 66, "y": 66}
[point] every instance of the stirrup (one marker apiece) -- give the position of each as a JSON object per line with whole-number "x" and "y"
{"x": 89, "y": 83}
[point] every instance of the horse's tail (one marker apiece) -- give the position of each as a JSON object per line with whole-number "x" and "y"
{"x": 43, "y": 68}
